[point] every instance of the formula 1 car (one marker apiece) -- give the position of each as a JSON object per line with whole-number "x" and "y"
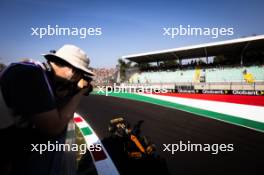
{"x": 135, "y": 146}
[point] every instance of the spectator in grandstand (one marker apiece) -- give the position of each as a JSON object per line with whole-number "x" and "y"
{"x": 37, "y": 102}
{"x": 104, "y": 76}
{"x": 248, "y": 77}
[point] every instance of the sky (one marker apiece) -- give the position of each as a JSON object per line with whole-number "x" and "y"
{"x": 127, "y": 27}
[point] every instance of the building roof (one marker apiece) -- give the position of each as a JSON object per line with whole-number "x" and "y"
{"x": 234, "y": 46}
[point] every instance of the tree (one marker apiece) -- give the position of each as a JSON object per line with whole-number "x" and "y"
{"x": 123, "y": 66}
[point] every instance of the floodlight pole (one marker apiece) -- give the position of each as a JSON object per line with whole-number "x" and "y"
{"x": 242, "y": 53}
{"x": 205, "y": 51}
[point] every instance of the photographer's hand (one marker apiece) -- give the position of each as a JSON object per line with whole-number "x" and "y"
{"x": 82, "y": 84}
{"x": 85, "y": 87}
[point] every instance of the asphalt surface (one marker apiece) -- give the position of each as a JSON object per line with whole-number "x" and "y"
{"x": 170, "y": 126}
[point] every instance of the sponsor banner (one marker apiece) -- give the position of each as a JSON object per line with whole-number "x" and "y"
{"x": 230, "y": 92}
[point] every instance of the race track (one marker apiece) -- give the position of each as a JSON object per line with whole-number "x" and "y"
{"x": 169, "y": 126}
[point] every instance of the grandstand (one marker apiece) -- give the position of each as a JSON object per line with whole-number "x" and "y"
{"x": 211, "y": 75}
{"x": 240, "y": 67}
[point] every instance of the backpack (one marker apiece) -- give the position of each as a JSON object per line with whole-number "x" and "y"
{"x": 8, "y": 117}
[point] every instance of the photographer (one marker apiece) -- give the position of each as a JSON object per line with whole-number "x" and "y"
{"x": 37, "y": 102}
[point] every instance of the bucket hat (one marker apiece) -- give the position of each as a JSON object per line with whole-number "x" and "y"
{"x": 74, "y": 56}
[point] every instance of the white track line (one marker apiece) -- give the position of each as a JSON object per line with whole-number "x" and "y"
{"x": 255, "y": 113}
